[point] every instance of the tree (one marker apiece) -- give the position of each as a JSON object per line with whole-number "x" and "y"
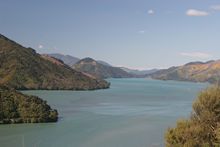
{"x": 16, "y": 107}
{"x": 202, "y": 129}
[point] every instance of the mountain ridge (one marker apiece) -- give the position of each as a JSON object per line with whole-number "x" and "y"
{"x": 67, "y": 59}
{"x": 139, "y": 72}
{"x": 194, "y": 71}
{"x": 93, "y": 67}
{"x": 23, "y": 68}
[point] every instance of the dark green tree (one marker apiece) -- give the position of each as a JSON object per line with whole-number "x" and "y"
{"x": 16, "y": 107}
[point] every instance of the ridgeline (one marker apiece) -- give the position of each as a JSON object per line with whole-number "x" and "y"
{"x": 22, "y": 68}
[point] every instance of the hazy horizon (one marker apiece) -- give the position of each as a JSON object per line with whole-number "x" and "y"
{"x": 135, "y": 34}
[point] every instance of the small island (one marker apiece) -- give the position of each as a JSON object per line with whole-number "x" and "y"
{"x": 16, "y": 107}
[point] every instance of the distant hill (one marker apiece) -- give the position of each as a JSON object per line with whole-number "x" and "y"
{"x": 96, "y": 69}
{"x": 139, "y": 72}
{"x": 19, "y": 108}
{"x": 103, "y": 63}
{"x": 193, "y": 71}
{"x": 70, "y": 60}
{"x": 23, "y": 68}
{"x": 67, "y": 59}
{"x": 53, "y": 59}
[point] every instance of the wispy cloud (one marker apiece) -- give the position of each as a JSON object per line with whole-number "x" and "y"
{"x": 200, "y": 55}
{"x": 141, "y": 32}
{"x": 194, "y": 12}
{"x": 151, "y": 12}
{"x": 215, "y": 7}
{"x": 40, "y": 46}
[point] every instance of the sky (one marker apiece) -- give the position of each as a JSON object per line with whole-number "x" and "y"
{"x": 139, "y": 34}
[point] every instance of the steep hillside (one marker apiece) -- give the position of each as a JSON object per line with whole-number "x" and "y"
{"x": 53, "y": 59}
{"x": 194, "y": 71}
{"x": 23, "y": 68}
{"x": 92, "y": 67}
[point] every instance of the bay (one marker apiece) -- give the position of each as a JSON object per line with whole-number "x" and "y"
{"x": 132, "y": 113}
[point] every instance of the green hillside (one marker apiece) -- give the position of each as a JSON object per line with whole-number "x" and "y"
{"x": 23, "y": 68}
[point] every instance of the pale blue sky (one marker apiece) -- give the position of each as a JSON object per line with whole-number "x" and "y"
{"x": 132, "y": 33}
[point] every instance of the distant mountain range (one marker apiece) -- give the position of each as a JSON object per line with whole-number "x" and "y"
{"x": 193, "y": 71}
{"x": 23, "y": 68}
{"x": 70, "y": 60}
{"x": 106, "y": 72}
{"x": 139, "y": 72}
{"x": 67, "y": 59}
{"x": 99, "y": 70}
{"x": 103, "y": 63}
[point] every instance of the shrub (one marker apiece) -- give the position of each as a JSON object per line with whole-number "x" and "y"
{"x": 203, "y": 127}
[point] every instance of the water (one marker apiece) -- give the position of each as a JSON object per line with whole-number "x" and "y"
{"x": 132, "y": 113}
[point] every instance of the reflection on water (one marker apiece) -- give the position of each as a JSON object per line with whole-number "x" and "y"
{"x": 132, "y": 113}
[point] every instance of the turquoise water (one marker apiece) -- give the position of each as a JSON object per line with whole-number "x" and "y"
{"x": 132, "y": 113}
